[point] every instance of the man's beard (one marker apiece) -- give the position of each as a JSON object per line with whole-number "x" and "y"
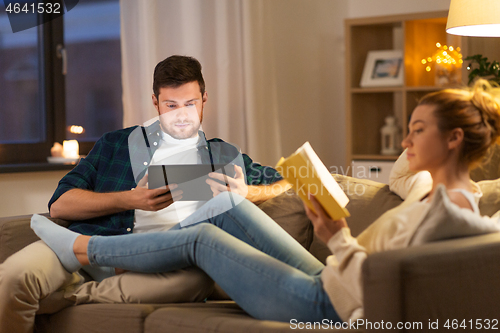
{"x": 181, "y": 135}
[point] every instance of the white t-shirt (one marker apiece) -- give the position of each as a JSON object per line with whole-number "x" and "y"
{"x": 171, "y": 151}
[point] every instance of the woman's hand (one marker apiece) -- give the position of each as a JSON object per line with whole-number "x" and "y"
{"x": 324, "y": 226}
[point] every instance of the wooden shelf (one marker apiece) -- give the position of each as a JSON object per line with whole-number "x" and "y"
{"x": 374, "y": 157}
{"x": 34, "y": 167}
{"x": 415, "y": 34}
{"x": 394, "y": 89}
{"x": 423, "y": 88}
{"x": 376, "y": 90}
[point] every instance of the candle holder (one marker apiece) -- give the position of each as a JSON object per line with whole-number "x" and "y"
{"x": 69, "y": 151}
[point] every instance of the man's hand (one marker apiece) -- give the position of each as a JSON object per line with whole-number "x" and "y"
{"x": 235, "y": 185}
{"x": 324, "y": 226}
{"x": 153, "y": 200}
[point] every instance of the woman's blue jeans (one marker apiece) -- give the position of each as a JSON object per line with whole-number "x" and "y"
{"x": 260, "y": 266}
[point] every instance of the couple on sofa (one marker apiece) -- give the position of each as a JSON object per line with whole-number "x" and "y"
{"x": 107, "y": 194}
{"x": 269, "y": 274}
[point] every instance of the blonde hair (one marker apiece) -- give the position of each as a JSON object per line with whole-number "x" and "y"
{"x": 475, "y": 110}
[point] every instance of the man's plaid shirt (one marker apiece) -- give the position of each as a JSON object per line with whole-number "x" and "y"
{"x": 108, "y": 168}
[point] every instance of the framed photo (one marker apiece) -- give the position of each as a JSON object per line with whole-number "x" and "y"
{"x": 383, "y": 68}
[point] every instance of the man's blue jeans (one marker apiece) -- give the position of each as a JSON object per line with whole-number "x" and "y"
{"x": 260, "y": 266}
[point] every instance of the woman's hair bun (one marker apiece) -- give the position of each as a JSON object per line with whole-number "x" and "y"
{"x": 485, "y": 96}
{"x": 476, "y": 110}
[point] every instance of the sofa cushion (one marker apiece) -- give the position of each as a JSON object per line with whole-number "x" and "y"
{"x": 213, "y": 317}
{"x": 96, "y": 318}
{"x": 15, "y": 234}
{"x": 489, "y": 167}
{"x": 490, "y": 201}
{"x": 445, "y": 220}
{"x": 367, "y": 201}
{"x": 288, "y": 211}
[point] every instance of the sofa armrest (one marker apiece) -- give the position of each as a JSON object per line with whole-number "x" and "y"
{"x": 455, "y": 279}
{"x": 15, "y": 234}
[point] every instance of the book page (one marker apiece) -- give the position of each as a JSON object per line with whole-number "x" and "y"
{"x": 326, "y": 178}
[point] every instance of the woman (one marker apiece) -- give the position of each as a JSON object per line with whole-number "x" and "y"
{"x": 270, "y": 275}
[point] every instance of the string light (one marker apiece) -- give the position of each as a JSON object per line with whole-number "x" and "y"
{"x": 445, "y": 55}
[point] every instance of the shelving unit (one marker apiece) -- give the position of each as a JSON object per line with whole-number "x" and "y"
{"x": 415, "y": 34}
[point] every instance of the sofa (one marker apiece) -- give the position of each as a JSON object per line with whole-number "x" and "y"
{"x": 450, "y": 282}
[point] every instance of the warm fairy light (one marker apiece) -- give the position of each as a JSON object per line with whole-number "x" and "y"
{"x": 445, "y": 56}
{"x": 74, "y": 129}
{"x": 445, "y": 64}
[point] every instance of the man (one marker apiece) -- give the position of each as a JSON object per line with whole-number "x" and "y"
{"x": 107, "y": 194}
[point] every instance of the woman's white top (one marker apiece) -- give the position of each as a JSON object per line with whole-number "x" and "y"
{"x": 342, "y": 277}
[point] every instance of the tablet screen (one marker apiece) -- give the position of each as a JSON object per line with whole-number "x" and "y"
{"x": 191, "y": 178}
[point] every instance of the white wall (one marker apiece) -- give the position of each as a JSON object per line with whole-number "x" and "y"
{"x": 27, "y": 192}
{"x": 309, "y": 57}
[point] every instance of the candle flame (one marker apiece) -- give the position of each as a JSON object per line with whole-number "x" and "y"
{"x": 75, "y": 129}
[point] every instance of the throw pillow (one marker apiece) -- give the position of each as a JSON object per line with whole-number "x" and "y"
{"x": 367, "y": 201}
{"x": 288, "y": 211}
{"x": 490, "y": 201}
{"x": 445, "y": 220}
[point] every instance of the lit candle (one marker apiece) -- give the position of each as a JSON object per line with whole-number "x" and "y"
{"x": 70, "y": 149}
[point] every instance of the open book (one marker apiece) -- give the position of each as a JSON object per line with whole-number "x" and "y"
{"x": 307, "y": 174}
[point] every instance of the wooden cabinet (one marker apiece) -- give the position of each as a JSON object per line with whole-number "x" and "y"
{"x": 416, "y": 35}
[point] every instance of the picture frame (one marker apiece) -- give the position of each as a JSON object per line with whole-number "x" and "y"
{"x": 383, "y": 68}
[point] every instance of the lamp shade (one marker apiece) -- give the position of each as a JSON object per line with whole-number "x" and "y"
{"x": 480, "y": 18}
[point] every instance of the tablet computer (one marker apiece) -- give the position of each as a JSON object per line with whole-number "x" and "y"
{"x": 191, "y": 178}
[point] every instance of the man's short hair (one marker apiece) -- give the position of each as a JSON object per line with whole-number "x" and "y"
{"x": 175, "y": 71}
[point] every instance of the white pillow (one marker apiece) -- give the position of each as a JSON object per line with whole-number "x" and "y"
{"x": 445, "y": 220}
